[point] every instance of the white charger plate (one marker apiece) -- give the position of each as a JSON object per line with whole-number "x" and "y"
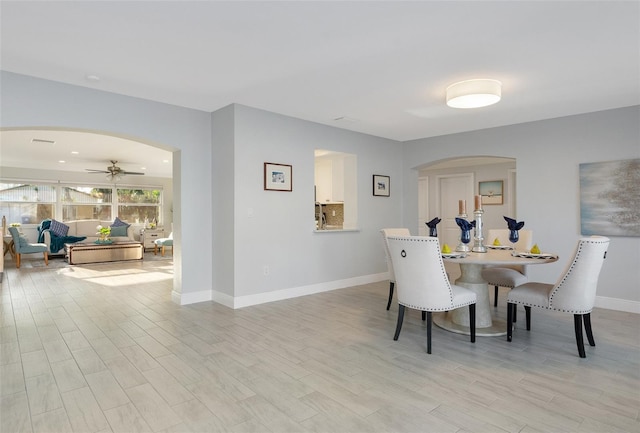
{"x": 454, "y": 255}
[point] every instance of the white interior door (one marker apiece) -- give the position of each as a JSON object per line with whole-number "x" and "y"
{"x": 450, "y": 189}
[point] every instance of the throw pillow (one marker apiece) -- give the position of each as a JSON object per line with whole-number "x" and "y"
{"x": 118, "y": 223}
{"x": 119, "y": 231}
{"x": 59, "y": 229}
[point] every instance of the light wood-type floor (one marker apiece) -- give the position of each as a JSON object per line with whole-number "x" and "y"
{"x": 101, "y": 348}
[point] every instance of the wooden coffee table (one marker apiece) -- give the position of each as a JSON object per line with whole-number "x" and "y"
{"x": 90, "y": 252}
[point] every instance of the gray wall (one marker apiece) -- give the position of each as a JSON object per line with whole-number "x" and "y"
{"x": 280, "y": 234}
{"x": 221, "y": 251}
{"x": 548, "y": 154}
{"x": 30, "y": 102}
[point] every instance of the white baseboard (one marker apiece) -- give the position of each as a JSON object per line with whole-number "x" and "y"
{"x": 278, "y": 295}
{"x": 191, "y": 298}
{"x": 618, "y": 304}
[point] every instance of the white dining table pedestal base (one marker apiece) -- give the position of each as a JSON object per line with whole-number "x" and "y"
{"x": 458, "y": 320}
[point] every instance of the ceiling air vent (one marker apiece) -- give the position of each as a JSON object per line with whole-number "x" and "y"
{"x": 41, "y": 140}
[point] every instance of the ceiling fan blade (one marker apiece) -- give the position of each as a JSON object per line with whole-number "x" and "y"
{"x": 131, "y": 172}
{"x": 90, "y": 170}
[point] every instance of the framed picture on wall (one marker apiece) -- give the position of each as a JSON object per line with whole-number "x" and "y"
{"x": 381, "y": 185}
{"x": 277, "y": 177}
{"x": 491, "y": 191}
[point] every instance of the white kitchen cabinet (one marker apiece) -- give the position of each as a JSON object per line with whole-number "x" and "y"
{"x": 329, "y": 179}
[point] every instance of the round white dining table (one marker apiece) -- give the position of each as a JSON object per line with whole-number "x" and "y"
{"x": 471, "y": 277}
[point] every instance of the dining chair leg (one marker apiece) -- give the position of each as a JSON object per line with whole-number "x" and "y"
{"x": 391, "y": 285}
{"x": 577, "y": 322}
{"x": 424, "y": 316}
{"x": 429, "y": 321}
{"x": 510, "y": 320}
{"x": 472, "y": 322}
{"x": 495, "y": 296}
{"x": 527, "y": 312}
{"x": 18, "y": 260}
{"x": 400, "y": 318}
{"x": 515, "y": 313}
{"x": 587, "y": 327}
{"x": 46, "y": 258}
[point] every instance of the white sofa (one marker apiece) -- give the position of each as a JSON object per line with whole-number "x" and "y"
{"x": 87, "y": 228}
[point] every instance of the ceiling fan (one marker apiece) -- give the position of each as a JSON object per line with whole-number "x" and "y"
{"x": 114, "y": 172}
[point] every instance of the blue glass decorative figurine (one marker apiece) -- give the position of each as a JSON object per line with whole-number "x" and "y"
{"x": 513, "y": 226}
{"x": 465, "y": 235}
{"x": 433, "y": 231}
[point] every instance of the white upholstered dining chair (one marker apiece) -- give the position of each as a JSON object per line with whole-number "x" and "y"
{"x": 574, "y": 292}
{"x": 392, "y": 277}
{"x": 507, "y": 276}
{"x": 423, "y": 284}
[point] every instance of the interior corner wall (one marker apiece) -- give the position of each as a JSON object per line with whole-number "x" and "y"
{"x": 32, "y": 102}
{"x": 548, "y": 154}
{"x": 223, "y": 187}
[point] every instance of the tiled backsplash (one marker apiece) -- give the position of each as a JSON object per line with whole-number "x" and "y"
{"x": 328, "y": 210}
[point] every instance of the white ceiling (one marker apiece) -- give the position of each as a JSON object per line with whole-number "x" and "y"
{"x": 376, "y": 64}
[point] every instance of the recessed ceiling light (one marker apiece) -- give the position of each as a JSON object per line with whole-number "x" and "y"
{"x": 62, "y": 161}
{"x": 74, "y": 152}
{"x": 474, "y": 93}
{"x": 166, "y": 161}
{"x": 143, "y": 168}
{"x": 42, "y": 140}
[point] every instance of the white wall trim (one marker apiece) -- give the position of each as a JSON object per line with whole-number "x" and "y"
{"x": 617, "y": 304}
{"x": 278, "y": 295}
{"x": 191, "y": 298}
{"x": 294, "y": 292}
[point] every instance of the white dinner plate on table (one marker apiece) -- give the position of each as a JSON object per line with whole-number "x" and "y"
{"x": 536, "y": 256}
{"x": 454, "y": 255}
{"x": 499, "y": 247}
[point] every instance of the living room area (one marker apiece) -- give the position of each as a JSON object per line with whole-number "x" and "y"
{"x": 258, "y": 320}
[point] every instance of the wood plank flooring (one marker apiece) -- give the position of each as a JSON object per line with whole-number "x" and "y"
{"x": 101, "y": 348}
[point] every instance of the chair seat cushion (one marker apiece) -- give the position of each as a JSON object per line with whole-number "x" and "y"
{"x": 462, "y": 296}
{"x": 531, "y": 294}
{"x": 503, "y": 277}
{"x": 164, "y": 241}
{"x": 33, "y": 248}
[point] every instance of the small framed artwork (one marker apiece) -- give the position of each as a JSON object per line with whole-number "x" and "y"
{"x": 381, "y": 185}
{"x": 491, "y": 192}
{"x": 277, "y": 177}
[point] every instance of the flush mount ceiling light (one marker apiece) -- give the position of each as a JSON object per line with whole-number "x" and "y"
{"x": 474, "y": 93}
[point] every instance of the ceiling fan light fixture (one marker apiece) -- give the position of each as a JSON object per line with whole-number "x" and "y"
{"x": 474, "y": 93}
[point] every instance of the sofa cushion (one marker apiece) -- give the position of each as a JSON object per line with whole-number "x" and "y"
{"x": 119, "y": 223}
{"x": 119, "y": 230}
{"x": 87, "y": 227}
{"x": 59, "y": 229}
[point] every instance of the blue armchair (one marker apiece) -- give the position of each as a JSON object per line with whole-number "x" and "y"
{"x": 22, "y": 246}
{"x": 162, "y": 243}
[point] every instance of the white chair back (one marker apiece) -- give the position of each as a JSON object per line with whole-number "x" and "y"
{"x": 420, "y": 273}
{"x": 525, "y": 241}
{"x": 392, "y": 232}
{"x": 575, "y": 290}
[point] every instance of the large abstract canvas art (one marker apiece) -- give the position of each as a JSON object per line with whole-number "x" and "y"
{"x": 610, "y": 198}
